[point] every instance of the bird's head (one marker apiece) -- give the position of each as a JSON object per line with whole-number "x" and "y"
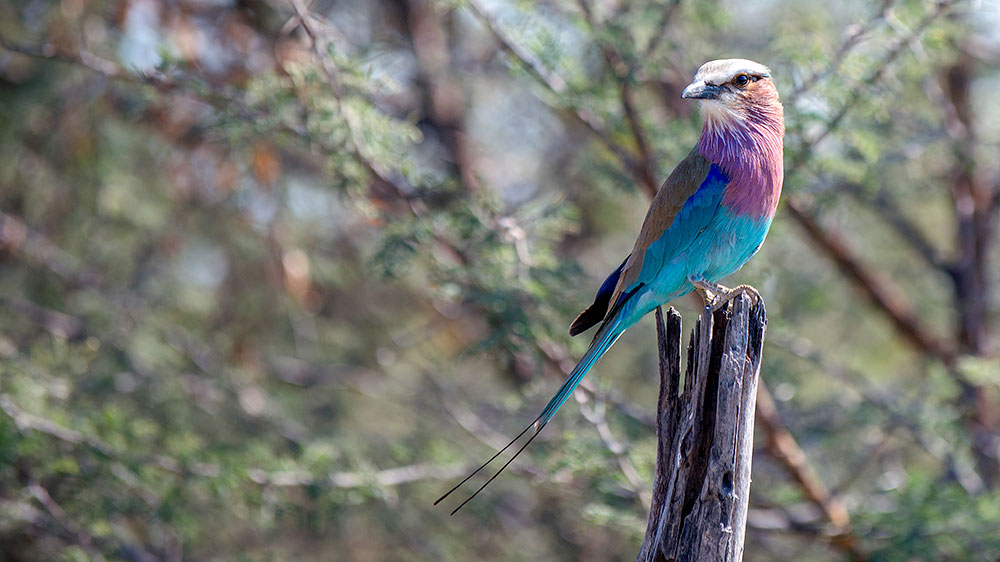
{"x": 735, "y": 92}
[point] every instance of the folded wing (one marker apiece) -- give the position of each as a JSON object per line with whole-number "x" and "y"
{"x": 681, "y": 209}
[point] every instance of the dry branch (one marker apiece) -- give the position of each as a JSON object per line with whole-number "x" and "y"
{"x": 701, "y": 485}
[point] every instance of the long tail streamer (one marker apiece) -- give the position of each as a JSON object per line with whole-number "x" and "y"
{"x": 605, "y": 338}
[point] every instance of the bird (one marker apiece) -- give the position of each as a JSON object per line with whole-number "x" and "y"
{"x": 709, "y": 217}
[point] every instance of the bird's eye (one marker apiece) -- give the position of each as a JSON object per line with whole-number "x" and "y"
{"x": 741, "y": 80}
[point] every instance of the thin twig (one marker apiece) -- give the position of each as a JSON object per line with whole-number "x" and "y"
{"x": 317, "y": 43}
{"x": 85, "y": 58}
{"x": 898, "y": 414}
{"x": 383, "y": 478}
{"x": 344, "y": 479}
{"x": 595, "y": 411}
{"x": 660, "y": 33}
{"x": 858, "y": 93}
{"x": 622, "y": 72}
{"x": 174, "y": 81}
{"x": 840, "y": 55}
{"x": 16, "y": 236}
{"x": 783, "y": 448}
{"x": 554, "y": 83}
{"x": 81, "y": 537}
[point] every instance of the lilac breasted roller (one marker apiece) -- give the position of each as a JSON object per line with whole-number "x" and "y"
{"x": 708, "y": 218}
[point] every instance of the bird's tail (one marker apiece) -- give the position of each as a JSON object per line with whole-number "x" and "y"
{"x": 603, "y": 340}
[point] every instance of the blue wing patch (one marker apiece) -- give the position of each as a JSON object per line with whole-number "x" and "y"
{"x": 696, "y": 215}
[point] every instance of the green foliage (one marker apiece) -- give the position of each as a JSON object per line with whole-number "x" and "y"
{"x": 265, "y": 296}
{"x": 931, "y": 519}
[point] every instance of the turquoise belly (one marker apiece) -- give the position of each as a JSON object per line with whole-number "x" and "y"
{"x": 720, "y": 249}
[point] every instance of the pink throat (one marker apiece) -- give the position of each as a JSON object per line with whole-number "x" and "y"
{"x": 749, "y": 152}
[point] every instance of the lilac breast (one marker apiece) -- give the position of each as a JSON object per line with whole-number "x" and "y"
{"x": 750, "y": 154}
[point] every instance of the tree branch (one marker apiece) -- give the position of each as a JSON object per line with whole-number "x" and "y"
{"x": 908, "y": 232}
{"x": 880, "y": 290}
{"x": 556, "y": 85}
{"x": 862, "y": 88}
{"x": 840, "y": 55}
{"x": 622, "y": 72}
{"x": 80, "y": 536}
{"x": 783, "y": 448}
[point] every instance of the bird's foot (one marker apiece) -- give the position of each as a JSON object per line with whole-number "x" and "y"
{"x": 729, "y": 294}
{"x": 708, "y": 291}
{"x": 717, "y": 296}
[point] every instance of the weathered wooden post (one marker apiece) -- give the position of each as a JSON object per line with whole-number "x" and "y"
{"x": 701, "y": 485}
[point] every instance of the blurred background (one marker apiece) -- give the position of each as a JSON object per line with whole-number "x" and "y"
{"x": 273, "y": 275}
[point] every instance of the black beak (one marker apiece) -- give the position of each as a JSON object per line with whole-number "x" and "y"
{"x": 701, "y": 91}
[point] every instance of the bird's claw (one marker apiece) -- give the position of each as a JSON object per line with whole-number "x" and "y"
{"x": 717, "y": 296}
{"x": 728, "y": 295}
